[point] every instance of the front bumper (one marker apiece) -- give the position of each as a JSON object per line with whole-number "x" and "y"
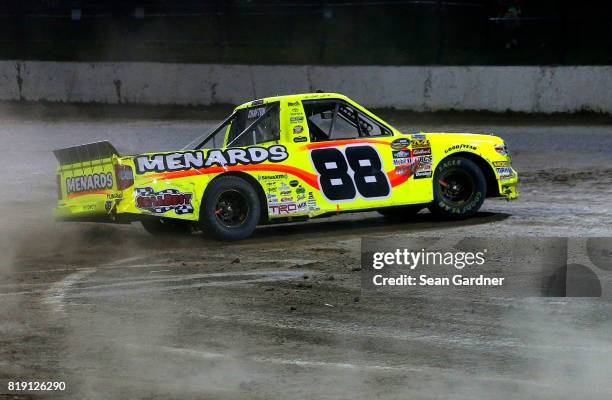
{"x": 507, "y": 187}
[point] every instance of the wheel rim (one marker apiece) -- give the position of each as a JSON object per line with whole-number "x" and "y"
{"x": 232, "y": 208}
{"x": 456, "y": 186}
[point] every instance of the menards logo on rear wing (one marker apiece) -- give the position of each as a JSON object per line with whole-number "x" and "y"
{"x": 88, "y": 178}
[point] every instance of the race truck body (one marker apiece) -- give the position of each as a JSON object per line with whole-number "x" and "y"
{"x": 281, "y": 159}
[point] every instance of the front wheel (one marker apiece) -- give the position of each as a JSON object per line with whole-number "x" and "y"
{"x": 459, "y": 188}
{"x": 230, "y": 209}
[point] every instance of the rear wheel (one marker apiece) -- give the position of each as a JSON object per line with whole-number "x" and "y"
{"x": 400, "y": 213}
{"x": 459, "y": 188}
{"x": 230, "y": 209}
{"x": 166, "y": 226}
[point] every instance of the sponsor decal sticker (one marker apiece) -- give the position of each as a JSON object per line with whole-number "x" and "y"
{"x": 401, "y": 154}
{"x": 504, "y": 172}
{"x": 425, "y": 151}
{"x": 422, "y": 174}
{"x": 179, "y": 161}
{"x": 256, "y": 112}
{"x": 272, "y": 178}
{"x": 404, "y": 161}
{"x": 297, "y": 119}
{"x": 293, "y": 183}
{"x": 272, "y": 199}
{"x": 300, "y": 139}
{"x": 90, "y": 182}
{"x": 148, "y": 199}
{"x": 420, "y": 143}
{"x": 400, "y": 144}
{"x": 403, "y": 170}
{"x": 298, "y": 129}
{"x": 460, "y": 147}
{"x": 288, "y": 208}
{"x": 501, "y": 164}
{"x": 312, "y": 202}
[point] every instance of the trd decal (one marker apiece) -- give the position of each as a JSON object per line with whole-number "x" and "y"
{"x": 287, "y": 208}
{"x": 88, "y": 183}
{"x": 197, "y": 159}
{"x": 163, "y": 201}
{"x": 341, "y": 180}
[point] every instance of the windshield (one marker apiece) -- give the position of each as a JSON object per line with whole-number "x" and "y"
{"x": 213, "y": 139}
{"x": 245, "y": 127}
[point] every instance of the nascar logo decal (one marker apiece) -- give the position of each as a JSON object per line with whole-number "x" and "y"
{"x": 163, "y": 201}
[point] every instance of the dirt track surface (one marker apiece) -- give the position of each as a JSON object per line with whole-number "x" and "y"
{"x": 116, "y": 313}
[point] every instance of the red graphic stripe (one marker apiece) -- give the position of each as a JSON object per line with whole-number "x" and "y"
{"x": 74, "y": 195}
{"x": 307, "y": 177}
{"x": 397, "y": 179}
{"x": 333, "y": 143}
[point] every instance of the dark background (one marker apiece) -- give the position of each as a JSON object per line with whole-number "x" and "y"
{"x": 484, "y": 32}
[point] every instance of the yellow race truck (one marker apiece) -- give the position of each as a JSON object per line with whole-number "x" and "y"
{"x": 283, "y": 159}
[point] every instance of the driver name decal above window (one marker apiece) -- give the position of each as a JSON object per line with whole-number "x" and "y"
{"x": 215, "y": 157}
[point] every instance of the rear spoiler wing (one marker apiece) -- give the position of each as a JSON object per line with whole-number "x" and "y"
{"x": 85, "y": 153}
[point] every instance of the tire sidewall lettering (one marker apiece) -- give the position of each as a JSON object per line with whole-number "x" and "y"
{"x": 473, "y": 201}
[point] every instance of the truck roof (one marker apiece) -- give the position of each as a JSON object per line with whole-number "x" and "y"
{"x": 294, "y": 97}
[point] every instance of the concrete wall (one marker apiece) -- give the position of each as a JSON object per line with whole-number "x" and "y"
{"x": 527, "y": 89}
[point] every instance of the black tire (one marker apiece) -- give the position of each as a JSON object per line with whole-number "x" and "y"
{"x": 166, "y": 226}
{"x": 230, "y": 209}
{"x": 459, "y": 188}
{"x": 400, "y": 213}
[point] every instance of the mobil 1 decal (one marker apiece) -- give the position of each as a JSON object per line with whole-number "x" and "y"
{"x": 346, "y": 173}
